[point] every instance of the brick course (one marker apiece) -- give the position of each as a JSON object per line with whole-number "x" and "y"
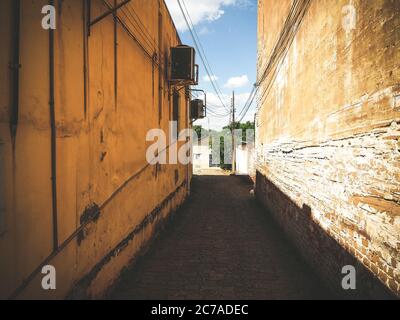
{"x": 327, "y": 139}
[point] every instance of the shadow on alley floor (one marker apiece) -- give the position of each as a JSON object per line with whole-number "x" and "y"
{"x": 220, "y": 245}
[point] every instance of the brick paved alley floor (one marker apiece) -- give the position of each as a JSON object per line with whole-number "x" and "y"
{"x": 220, "y": 245}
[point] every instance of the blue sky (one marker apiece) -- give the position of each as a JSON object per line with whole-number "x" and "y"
{"x": 228, "y": 33}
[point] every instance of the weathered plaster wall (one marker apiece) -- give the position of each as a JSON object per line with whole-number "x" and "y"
{"x": 328, "y": 133}
{"x": 101, "y": 124}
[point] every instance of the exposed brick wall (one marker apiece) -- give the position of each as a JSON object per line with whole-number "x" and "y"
{"x": 327, "y": 139}
{"x": 324, "y": 254}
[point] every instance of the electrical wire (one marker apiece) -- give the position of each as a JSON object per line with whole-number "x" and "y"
{"x": 200, "y": 53}
{"x": 131, "y": 34}
{"x": 291, "y": 26}
{"x": 245, "y": 106}
{"x": 141, "y": 26}
{"x": 129, "y": 17}
{"x": 292, "y": 23}
{"x": 211, "y": 78}
{"x": 248, "y": 103}
{"x": 212, "y": 109}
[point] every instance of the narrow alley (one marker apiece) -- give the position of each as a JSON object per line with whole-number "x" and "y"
{"x": 199, "y": 149}
{"x": 221, "y": 245}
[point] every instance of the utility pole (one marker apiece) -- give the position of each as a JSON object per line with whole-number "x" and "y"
{"x": 233, "y": 135}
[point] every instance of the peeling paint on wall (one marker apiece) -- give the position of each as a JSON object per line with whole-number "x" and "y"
{"x": 329, "y": 138}
{"x": 101, "y": 147}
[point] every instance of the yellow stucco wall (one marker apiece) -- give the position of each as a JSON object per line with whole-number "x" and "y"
{"x": 101, "y": 143}
{"x": 328, "y": 128}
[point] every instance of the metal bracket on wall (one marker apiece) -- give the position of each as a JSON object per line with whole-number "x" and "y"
{"x": 205, "y": 102}
{"x": 178, "y": 87}
{"x": 205, "y": 98}
{"x": 106, "y": 14}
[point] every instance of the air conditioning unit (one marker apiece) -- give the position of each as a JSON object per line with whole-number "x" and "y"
{"x": 183, "y": 67}
{"x": 197, "y": 109}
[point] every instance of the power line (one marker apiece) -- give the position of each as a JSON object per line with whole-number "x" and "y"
{"x": 141, "y": 26}
{"x": 212, "y": 109}
{"x": 211, "y": 78}
{"x": 216, "y": 106}
{"x": 131, "y": 34}
{"x": 215, "y": 115}
{"x": 207, "y": 66}
{"x": 245, "y": 106}
{"x": 210, "y": 106}
{"x": 279, "y": 52}
{"x": 199, "y": 51}
{"x": 128, "y": 16}
{"x": 249, "y": 102}
{"x": 291, "y": 26}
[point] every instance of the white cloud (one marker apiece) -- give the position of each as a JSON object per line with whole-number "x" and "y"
{"x": 213, "y": 99}
{"x": 208, "y": 79}
{"x": 240, "y": 100}
{"x": 200, "y": 10}
{"x": 237, "y": 82}
{"x": 216, "y": 123}
{"x": 204, "y": 30}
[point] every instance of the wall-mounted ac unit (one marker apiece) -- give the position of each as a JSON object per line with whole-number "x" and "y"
{"x": 197, "y": 109}
{"x": 183, "y": 67}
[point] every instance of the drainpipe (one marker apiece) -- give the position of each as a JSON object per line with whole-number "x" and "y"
{"x": 53, "y": 136}
{"x": 190, "y": 164}
{"x": 86, "y": 21}
{"x": 15, "y": 66}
